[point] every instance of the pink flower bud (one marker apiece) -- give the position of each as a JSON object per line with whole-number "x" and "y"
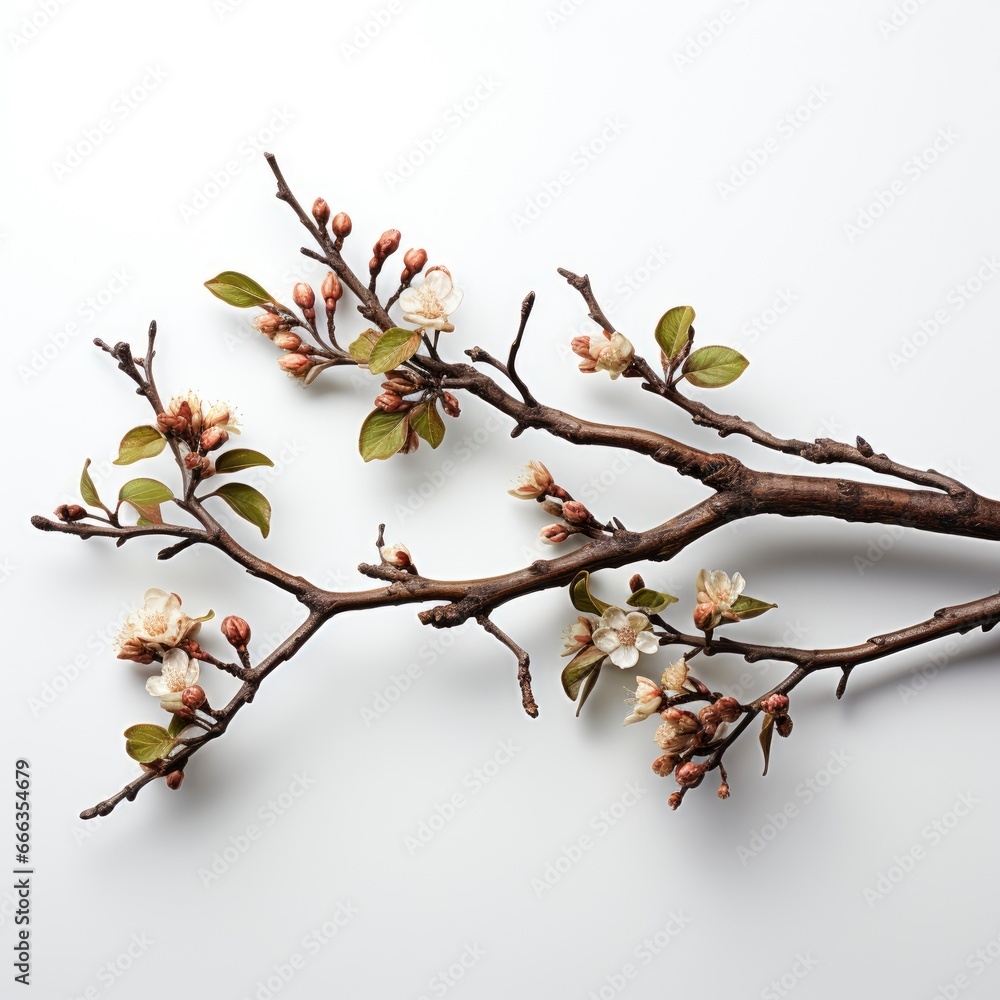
{"x": 287, "y": 341}
{"x": 214, "y": 437}
{"x": 341, "y": 225}
{"x": 450, "y": 404}
{"x": 295, "y": 364}
{"x": 689, "y": 774}
{"x": 269, "y": 324}
{"x": 675, "y": 800}
{"x": 236, "y": 631}
{"x": 705, "y": 616}
{"x": 387, "y": 243}
{"x": 193, "y": 697}
{"x": 70, "y": 512}
{"x": 199, "y": 464}
{"x": 581, "y": 346}
{"x": 729, "y": 709}
{"x": 331, "y": 287}
{"x": 775, "y": 704}
{"x": 575, "y": 512}
{"x": 175, "y": 779}
{"x": 390, "y": 402}
{"x": 303, "y": 296}
{"x": 553, "y": 534}
{"x": 321, "y": 212}
{"x": 664, "y": 765}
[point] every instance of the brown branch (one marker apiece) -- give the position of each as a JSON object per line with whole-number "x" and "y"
{"x": 523, "y": 661}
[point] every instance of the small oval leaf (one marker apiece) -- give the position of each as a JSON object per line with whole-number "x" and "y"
{"x": 427, "y": 422}
{"x": 652, "y": 601}
{"x": 750, "y": 607}
{"x": 673, "y": 329}
{"x": 144, "y": 493}
{"x": 238, "y": 290}
{"x": 714, "y": 367}
{"x": 238, "y": 459}
{"x": 140, "y": 442}
{"x": 249, "y": 503}
{"x": 393, "y": 348}
{"x": 382, "y": 435}
{"x": 146, "y": 743}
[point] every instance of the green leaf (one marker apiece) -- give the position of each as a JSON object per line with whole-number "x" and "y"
{"x": 140, "y": 442}
{"x": 750, "y": 607}
{"x": 148, "y": 514}
{"x": 652, "y": 600}
{"x": 238, "y": 459}
{"x": 249, "y": 503}
{"x": 583, "y": 600}
{"x": 382, "y": 434}
{"x": 579, "y": 669}
{"x": 766, "y": 735}
{"x": 87, "y": 488}
{"x": 393, "y": 348}
{"x": 714, "y": 367}
{"x": 144, "y": 493}
{"x": 177, "y": 725}
{"x": 426, "y": 421}
{"x": 588, "y": 685}
{"x": 238, "y": 290}
{"x": 361, "y": 349}
{"x": 146, "y": 743}
{"x": 673, "y": 329}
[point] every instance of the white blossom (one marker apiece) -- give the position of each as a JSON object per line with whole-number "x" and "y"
{"x": 179, "y": 672}
{"x": 430, "y": 304}
{"x": 624, "y": 636}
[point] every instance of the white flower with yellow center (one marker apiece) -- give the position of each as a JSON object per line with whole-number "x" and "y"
{"x": 430, "y": 304}
{"x": 179, "y": 672}
{"x": 624, "y": 636}
{"x": 157, "y": 626}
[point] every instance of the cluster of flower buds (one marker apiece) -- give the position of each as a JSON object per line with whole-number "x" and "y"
{"x": 776, "y": 705}
{"x": 385, "y": 246}
{"x": 202, "y": 427}
{"x": 682, "y": 731}
{"x": 606, "y": 352}
{"x": 394, "y": 388}
{"x": 297, "y": 360}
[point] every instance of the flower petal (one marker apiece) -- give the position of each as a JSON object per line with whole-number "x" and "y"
{"x": 634, "y": 717}
{"x": 703, "y": 582}
{"x": 736, "y": 586}
{"x": 157, "y": 686}
{"x": 637, "y": 621}
{"x": 606, "y": 639}
{"x": 451, "y": 301}
{"x": 646, "y": 642}
{"x": 624, "y": 656}
{"x": 409, "y": 300}
{"x": 439, "y": 282}
{"x": 614, "y": 618}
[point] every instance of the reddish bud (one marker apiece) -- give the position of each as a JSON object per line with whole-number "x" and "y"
{"x": 775, "y": 704}
{"x": 664, "y": 765}
{"x": 401, "y": 385}
{"x": 374, "y": 265}
{"x": 450, "y": 404}
{"x": 341, "y": 225}
{"x": 704, "y": 616}
{"x": 70, "y": 512}
{"x": 321, "y": 211}
{"x": 387, "y": 244}
{"x": 193, "y": 697}
{"x": 193, "y": 649}
{"x": 269, "y": 324}
{"x": 303, "y": 296}
{"x": 783, "y": 725}
{"x": 236, "y": 631}
{"x": 689, "y": 774}
{"x": 675, "y": 800}
{"x": 553, "y": 534}
{"x": 287, "y": 341}
{"x": 214, "y": 437}
{"x": 728, "y": 708}
{"x": 575, "y": 512}
{"x": 581, "y": 346}
{"x": 413, "y": 263}
{"x": 723, "y": 792}
{"x": 199, "y": 464}
{"x": 636, "y": 582}
{"x": 174, "y": 780}
{"x": 390, "y": 402}
{"x": 295, "y": 364}
{"x": 331, "y": 287}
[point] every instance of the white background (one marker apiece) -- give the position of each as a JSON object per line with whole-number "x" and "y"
{"x": 619, "y": 139}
